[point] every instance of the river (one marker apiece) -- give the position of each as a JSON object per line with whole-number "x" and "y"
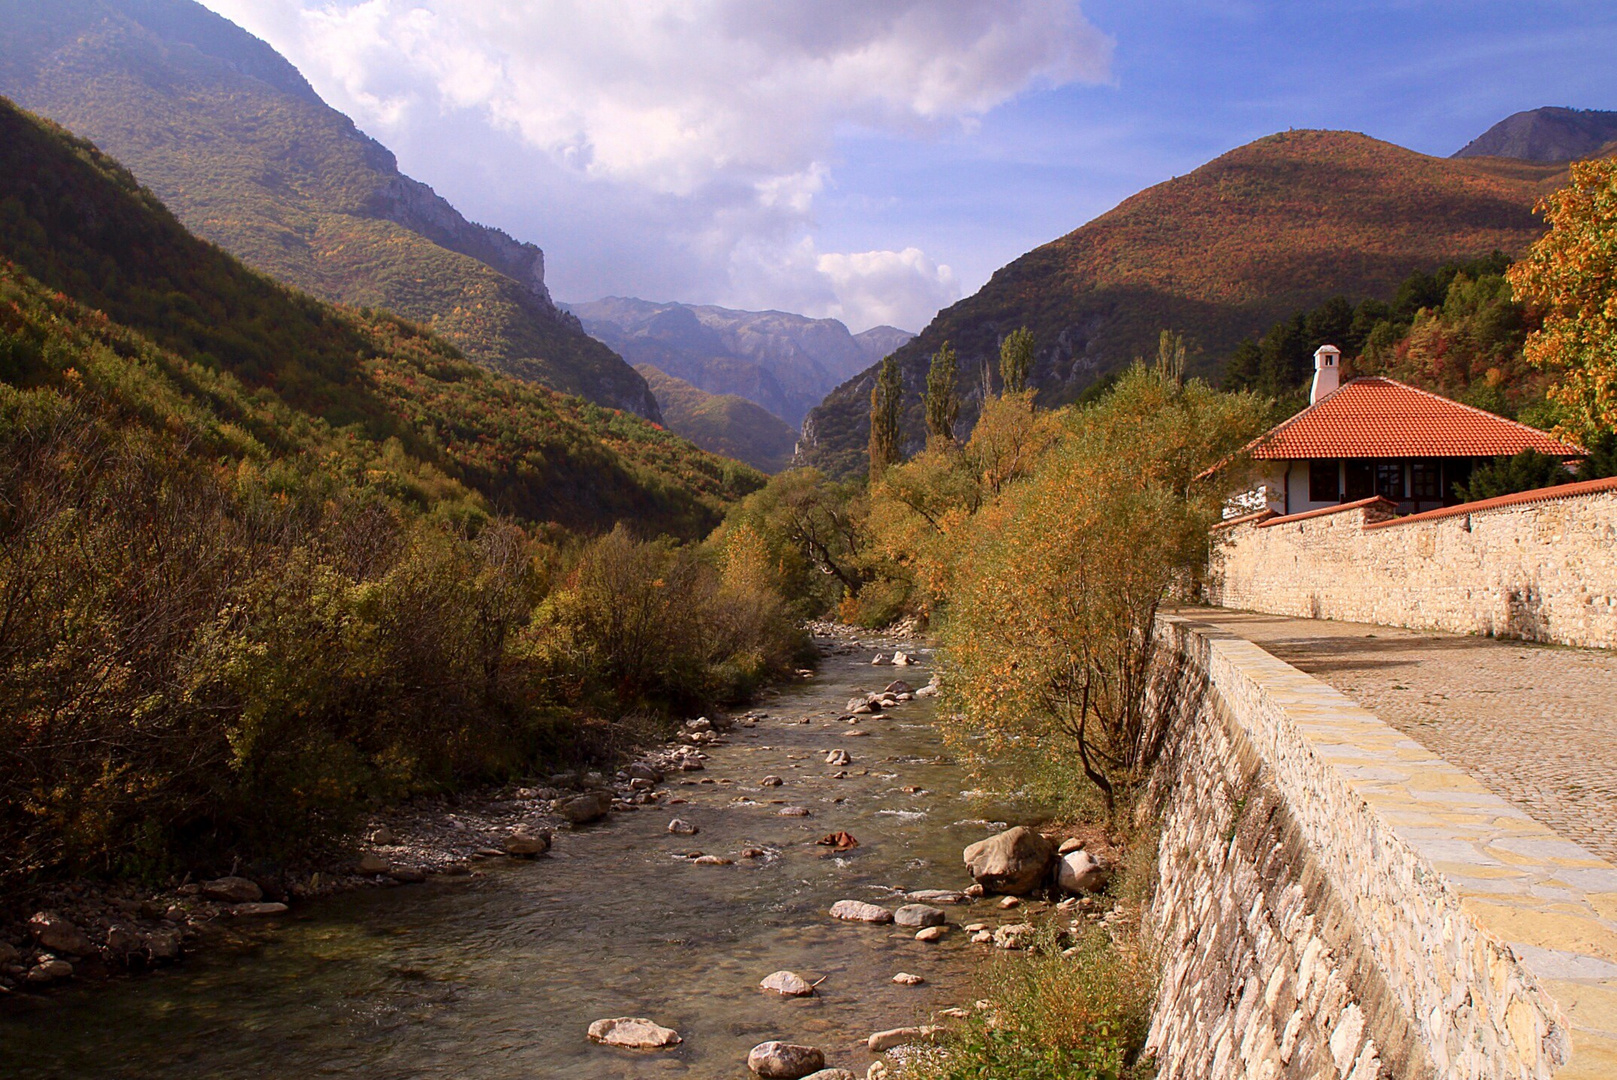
{"x": 499, "y": 976}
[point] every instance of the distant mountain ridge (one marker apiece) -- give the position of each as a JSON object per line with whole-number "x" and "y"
{"x": 1269, "y": 228}
{"x": 1549, "y": 134}
{"x": 784, "y": 362}
{"x": 238, "y": 144}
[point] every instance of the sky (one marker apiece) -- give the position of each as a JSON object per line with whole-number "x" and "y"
{"x": 876, "y": 160}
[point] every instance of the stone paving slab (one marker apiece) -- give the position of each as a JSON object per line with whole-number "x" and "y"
{"x": 1537, "y": 724}
{"x": 1551, "y": 900}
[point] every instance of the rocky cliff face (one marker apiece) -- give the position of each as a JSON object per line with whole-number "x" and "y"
{"x": 1547, "y": 135}
{"x": 234, "y": 140}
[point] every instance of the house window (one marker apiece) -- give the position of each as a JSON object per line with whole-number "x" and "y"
{"x": 1361, "y": 480}
{"x": 1324, "y": 485}
{"x": 1390, "y": 480}
{"x": 1426, "y": 480}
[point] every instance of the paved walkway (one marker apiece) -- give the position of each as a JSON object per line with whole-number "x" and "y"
{"x": 1536, "y": 724}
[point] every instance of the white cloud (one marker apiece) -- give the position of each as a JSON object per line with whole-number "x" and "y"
{"x": 712, "y": 121}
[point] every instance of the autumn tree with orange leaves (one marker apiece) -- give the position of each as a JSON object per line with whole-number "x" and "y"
{"x": 1570, "y": 275}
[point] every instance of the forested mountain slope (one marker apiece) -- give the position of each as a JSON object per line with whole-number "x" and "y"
{"x": 787, "y": 363}
{"x": 232, "y": 138}
{"x": 1277, "y": 225}
{"x": 723, "y": 423}
{"x": 92, "y": 263}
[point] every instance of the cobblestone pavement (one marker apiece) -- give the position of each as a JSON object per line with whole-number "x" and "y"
{"x": 1535, "y": 723}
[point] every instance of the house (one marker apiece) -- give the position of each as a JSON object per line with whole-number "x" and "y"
{"x": 1378, "y": 437}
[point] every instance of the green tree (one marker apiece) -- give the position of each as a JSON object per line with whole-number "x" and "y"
{"x": 1570, "y": 274}
{"x": 1171, "y": 357}
{"x": 886, "y": 409}
{"x": 942, "y": 395}
{"x": 1016, "y": 360}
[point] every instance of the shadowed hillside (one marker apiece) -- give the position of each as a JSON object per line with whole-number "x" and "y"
{"x": 1546, "y": 135}
{"x": 233, "y": 139}
{"x": 723, "y": 423}
{"x": 786, "y": 363}
{"x": 76, "y": 229}
{"x": 1277, "y": 225}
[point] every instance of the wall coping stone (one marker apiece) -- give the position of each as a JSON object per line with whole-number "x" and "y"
{"x": 1550, "y": 902}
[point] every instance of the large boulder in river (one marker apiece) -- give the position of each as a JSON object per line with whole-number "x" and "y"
{"x": 788, "y": 984}
{"x": 1079, "y": 872}
{"x": 919, "y": 915}
{"x": 585, "y": 808}
{"x": 859, "y": 911}
{"x": 633, "y": 1033}
{"x": 1015, "y": 862}
{"x": 59, "y": 935}
{"x": 784, "y": 1061}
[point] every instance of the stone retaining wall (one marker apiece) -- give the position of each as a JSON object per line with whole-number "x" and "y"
{"x": 1305, "y": 929}
{"x": 1541, "y": 566}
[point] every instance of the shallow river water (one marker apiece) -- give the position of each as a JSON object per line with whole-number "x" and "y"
{"x": 499, "y": 976}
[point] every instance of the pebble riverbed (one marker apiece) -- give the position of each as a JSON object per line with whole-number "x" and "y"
{"x": 500, "y": 974}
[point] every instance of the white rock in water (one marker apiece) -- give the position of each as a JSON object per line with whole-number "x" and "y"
{"x": 787, "y": 984}
{"x": 1079, "y": 872}
{"x": 901, "y": 660}
{"x": 882, "y": 1041}
{"x": 931, "y": 933}
{"x": 882, "y": 660}
{"x": 936, "y": 896}
{"x": 771, "y": 781}
{"x": 859, "y": 911}
{"x": 527, "y": 845}
{"x": 904, "y": 978}
{"x": 927, "y": 691}
{"x": 633, "y": 1032}
{"x": 831, "y": 1074}
{"x": 838, "y": 757}
{"x": 681, "y": 827}
{"x": 784, "y": 1061}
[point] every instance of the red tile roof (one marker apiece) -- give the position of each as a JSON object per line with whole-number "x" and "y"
{"x": 1382, "y": 418}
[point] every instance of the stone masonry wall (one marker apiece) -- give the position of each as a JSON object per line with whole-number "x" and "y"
{"x": 1300, "y": 936}
{"x": 1540, "y": 566}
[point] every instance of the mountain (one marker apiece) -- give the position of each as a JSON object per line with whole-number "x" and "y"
{"x": 1269, "y": 228}
{"x": 105, "y": 293}
{"x": 231, "y": 137}
{"x": 723, "y": 423}
{"x": 1546, "y": 135}
{"x": 786, "y": 363}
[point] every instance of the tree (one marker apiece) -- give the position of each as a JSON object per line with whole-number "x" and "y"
{"x": 886, "y": 400}
{"x": 1570, "y": 275}
{"x": 1016, "y": 360}
{"x": 1171, "y": 357}
{"x": 1051, "y": 625}
{"x": 942, "y": 395}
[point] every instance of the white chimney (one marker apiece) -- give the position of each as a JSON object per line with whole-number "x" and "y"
{"x": 1327, "y": 373}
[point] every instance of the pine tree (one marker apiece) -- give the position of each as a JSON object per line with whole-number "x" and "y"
{"x": 1016, "y": 360}
{"x": 886, "y": 398}
{"x": 942, "y": 395}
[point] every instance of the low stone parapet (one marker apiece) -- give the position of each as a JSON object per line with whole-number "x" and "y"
{"x": 1336, "y": 901}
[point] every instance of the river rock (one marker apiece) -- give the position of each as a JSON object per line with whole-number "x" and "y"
{"x": 701, "y": 723}
{"x": 408, "y": 875}
{"x": 232, "y": 890}
{"x": 248, "y": 911}
{"x": 904, "y": 978}
{"x": 633, "y": 1033}
{"x": 831, "y": 1074}
{"x": 1072, "y": 843}
{"x": 1015, "y": 936}
{"x": 59, "y": 935}
{"x": 585, "y": 808}
{"x": 1016, "y": 861}
{"x": 838, "y": 757}
{"x": 931, "y": 934}
{"x": 370, "y": 864}
{"x": 793, "y": 811}
{"x": 639, "y": 770}
{"x": 681, "y": 827}
{"x": 1008, "y": 902}
{"x": 784, "y": 1061}
{"x": 859, "y": 911}
{"x": 524, "y": 844}
{"x": 712, "y": 860}
{"x": 882, "y": 660}
{"x": 926, "y": 692}
{"x": 771, "y": 781}
{"x": 883, "y": 1041}
{"x": 50, "y": 970}
{"x": 382, "y": 835}
{"x": 162, "y": 944}
{"x": 919, "y": 915}
{"x": 878, "y": 1071}
{"x": 898, "y": 686}
{"x": 9, "y": 954}
{"x": 902, "y": 659}
{"x": 787, "y": 984}
{"x": 935, "y": 896}
{"x": 1079, "y": 872}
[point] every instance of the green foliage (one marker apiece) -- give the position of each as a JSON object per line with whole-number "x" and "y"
{"x": 1525, "y": 471}
{"x": 722, "y": 423}
{"x": 886, "y": 403}
{"x": 1016, "y": 360}
{"x": 942, "y": 395}
{"x": 1054, "y": 1017}
{"x": 813, "y": 533}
